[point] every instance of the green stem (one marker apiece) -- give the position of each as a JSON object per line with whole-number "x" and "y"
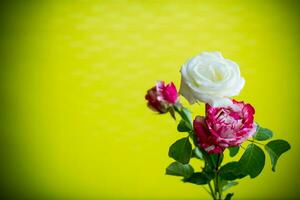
{"x": 206, "y": 189}
{"x": 218, "y": 191}
{"x": 191, "y": 134}
{"x": 242, "y": 147}
{"x": 212, "y": 191}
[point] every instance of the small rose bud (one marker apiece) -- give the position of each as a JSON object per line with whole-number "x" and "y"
{"x": 161, "y": 97}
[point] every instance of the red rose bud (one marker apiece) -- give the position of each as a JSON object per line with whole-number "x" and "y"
{"x": 225, "y": 126}
{"x": 161, "y": 97}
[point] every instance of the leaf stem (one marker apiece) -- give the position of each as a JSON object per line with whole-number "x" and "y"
{"x": 216, "y": 194}
{"x": 212, "y": 191}
{"x": 253, "y": 141}
{"x": 206, "y": 189}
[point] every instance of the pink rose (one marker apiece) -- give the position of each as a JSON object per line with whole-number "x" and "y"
{"x": 162, "y": 96}
{"x": 225, "y": 126}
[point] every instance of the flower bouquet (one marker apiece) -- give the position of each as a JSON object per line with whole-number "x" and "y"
{"x": 226, "y": 124}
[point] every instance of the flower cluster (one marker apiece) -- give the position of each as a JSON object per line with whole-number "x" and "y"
{"x": 211, "y": 79}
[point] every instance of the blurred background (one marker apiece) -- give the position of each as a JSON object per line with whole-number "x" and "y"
{"x": 74, "y": 122}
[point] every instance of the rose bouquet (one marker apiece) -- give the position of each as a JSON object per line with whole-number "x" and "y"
{"x": 226, "y": 124}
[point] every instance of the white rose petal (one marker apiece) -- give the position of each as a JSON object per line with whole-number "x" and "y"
{"x": 211, "y": 79}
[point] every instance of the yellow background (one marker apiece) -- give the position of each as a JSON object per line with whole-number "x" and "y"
{"x": 73, "y": 78}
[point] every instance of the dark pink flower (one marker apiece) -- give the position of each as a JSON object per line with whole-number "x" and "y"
{"x": 162, "y": 96}
{"x": 225, "y": 126}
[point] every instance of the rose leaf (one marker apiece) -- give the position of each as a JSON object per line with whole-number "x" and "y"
{"x": 179, "y": 169}
{"x": 233, "y": 151}
{"x": 262, "y": 134}
{"x": 181, "y": 150}
{"x": 197, "y": 178}
{"x": 252, "y": 161}
{"x": 275, "y": 148}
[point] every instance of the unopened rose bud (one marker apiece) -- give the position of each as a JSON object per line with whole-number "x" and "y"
{"x": 162, "y": 97}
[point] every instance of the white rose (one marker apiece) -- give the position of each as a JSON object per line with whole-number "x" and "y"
{"x": 211, "y": 79}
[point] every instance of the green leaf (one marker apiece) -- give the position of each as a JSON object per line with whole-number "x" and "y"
{"x": 197, "y": 178}
{"x": 228, "y": 196}
{"x": 214, "y": 159}
{"x": 229, "y": 185}
{"x": 209, "y": 174}
{"x": 197, "y": 153}
{"x": 275, "y": 148}
{"x": 181, "y": 150}
{"x": 262, "y": 134}
{"x": 186, "y": 115}
{"x": 252, "y": 161}
{"x": 231, "y": 171}
{"x": 179, "y": 169}
{"x": 233, "y": 151}
{"x": 184, "y": 126}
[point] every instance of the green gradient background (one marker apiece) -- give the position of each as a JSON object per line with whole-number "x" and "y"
{"x": 73, "y": 77}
